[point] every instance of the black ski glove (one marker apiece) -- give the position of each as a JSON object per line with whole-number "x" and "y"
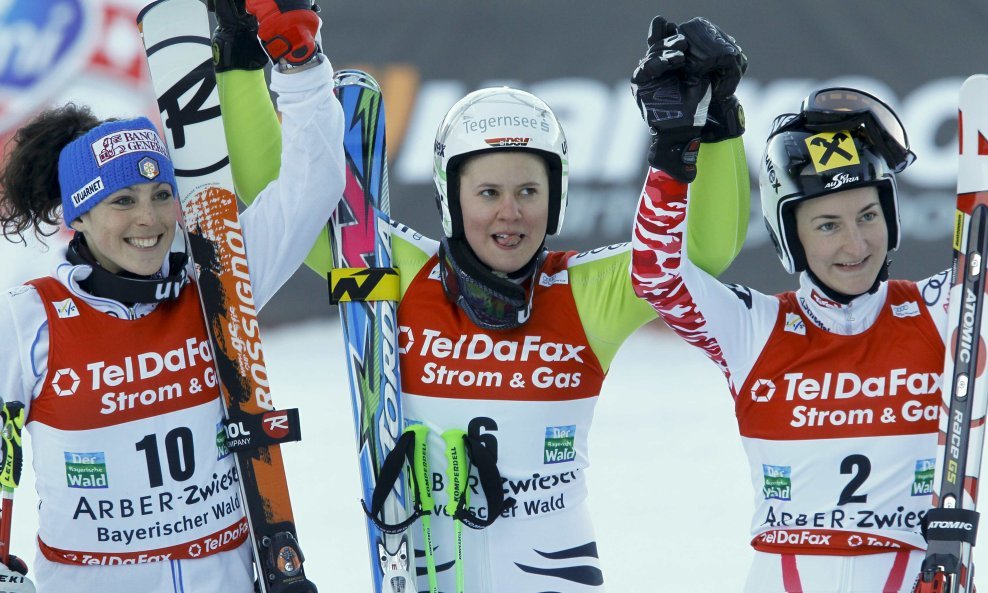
{"x": 15, "y": 564}
{"x": 673, "y": 104}
{"x": 235, "y": 44}
{"x": 715, "y": 56}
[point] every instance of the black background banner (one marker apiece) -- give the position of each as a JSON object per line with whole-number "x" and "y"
{"x": 577, "y": 55}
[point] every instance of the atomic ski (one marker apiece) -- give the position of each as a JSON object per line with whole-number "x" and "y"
{"x": 177, "y": 44}
{"x": 951, "y": 526}
{"x": 366, "y": 289}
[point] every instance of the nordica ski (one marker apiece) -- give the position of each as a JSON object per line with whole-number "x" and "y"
{"x": 367, "y": 290}
{"x": 951, "y": 526}
{"x": 176, "y": 40}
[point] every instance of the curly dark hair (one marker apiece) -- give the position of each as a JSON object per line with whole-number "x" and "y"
{"x": 30, "y": 196}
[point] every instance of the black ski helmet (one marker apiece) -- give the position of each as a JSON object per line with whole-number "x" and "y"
{"x": 841, "y": 139}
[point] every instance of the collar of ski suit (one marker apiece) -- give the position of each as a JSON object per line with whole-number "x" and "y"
{"x": 70, "y": 275}
{"x": 843, "y": 319}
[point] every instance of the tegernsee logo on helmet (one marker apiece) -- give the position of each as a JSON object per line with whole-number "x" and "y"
{"x": 842, "y": 179}
{"x": 482, "y": 346}
{"x": 124, "y": 142}
{"x": 847, "y": 385}
{"x": 500, "y": 142}
{"x": 484, "y": 124}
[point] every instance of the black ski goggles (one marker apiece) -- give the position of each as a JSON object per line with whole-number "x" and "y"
{"x": 841, "y": 108}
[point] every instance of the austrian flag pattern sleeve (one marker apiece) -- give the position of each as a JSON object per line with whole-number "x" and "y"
{"x": 839, "y": 427}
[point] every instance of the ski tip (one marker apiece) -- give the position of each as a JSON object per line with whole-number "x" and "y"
{"x": 972, "y": 128}
{"x": 975, "y": 88}
{"x": 355, "y": 78}
{"x": 147, "y": 9}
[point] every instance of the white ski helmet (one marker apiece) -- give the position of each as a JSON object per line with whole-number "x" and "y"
{"x": 500, "y": 118}
{"x": 841, "y": 139}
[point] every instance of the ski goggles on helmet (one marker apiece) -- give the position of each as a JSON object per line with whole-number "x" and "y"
{"x": 491, "y": 302}
{"x": 841, "y": 108}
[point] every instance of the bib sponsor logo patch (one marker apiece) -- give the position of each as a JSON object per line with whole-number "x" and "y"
{"x": 794, "y": 324}
{"x": 561, "y": 278}
{"x": 65, "y": 309}
{"x": 559, "y": 444}
{"x": 923, "y": 482}
{"x": 777, "y": 482}
{"x": 221, "y": 448}
{"x": 86, "y": 470}
{"x": 65, "y": 382}
{"x": 406, "y": 339}
{"x": 762, "y": 390}
{"x": 907, "y": 309}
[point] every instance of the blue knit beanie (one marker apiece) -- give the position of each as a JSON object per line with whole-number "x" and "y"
{"x": 108, "y": 158}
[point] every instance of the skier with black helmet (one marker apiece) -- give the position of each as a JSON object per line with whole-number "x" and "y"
{"x": 510, "y": 342}
{"x": 836, "y": 385}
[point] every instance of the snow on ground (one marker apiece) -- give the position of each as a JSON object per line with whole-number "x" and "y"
{"x": 669, "y": 487}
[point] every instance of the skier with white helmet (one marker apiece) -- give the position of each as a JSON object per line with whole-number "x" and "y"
{"x": 510, "y": 342}
{"x": 836, "y": 385}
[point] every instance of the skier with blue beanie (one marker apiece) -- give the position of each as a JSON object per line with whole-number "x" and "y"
{"x": 110, "y": 356}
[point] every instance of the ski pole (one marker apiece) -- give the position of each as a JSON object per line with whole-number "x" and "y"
{"x": 12, "y": 416}
{"x": 421, "y": 476}
{"x": 458, "y": 472}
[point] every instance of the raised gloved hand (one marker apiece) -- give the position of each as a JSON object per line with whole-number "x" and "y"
{"x": 673, "y": 104}
{"x": 715, "y": 56}
{"x": 15, "y": 564}
{"x": 288, "y": 29}
{"x": 235, "y": 44}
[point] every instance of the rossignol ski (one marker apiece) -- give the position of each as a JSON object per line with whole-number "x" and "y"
{"x": 951, "y": 526}
{"x": 177, "y": 44}
{"x": 366, "y": 288}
